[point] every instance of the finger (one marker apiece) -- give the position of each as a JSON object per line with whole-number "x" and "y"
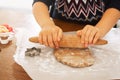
{"x": 83, "y": 32}
{"x": 40, "y": 39}
{"x": 97, "y": 36}
{"x": 50, "y": 41}
{"x": 55, "y": 39}
{"x": 87, "y": 36}
{"x": 91, "y": 37}
{"x": 45, "y": 39}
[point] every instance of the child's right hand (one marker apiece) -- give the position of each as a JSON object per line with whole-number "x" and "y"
{"x": 50, "y": 35}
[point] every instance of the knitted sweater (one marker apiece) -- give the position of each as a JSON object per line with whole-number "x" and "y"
{"x": 81, "y": 11}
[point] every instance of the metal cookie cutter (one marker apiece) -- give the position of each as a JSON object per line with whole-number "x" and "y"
{"x": 33, "y": 51}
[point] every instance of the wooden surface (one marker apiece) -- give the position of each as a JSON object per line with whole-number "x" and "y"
{"x": 9, "y": 69}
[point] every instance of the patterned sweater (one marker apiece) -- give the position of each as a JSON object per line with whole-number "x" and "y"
{"x": 81, "y": 11}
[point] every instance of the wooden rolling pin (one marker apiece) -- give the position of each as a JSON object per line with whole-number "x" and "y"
{"x": 71, "y": 41}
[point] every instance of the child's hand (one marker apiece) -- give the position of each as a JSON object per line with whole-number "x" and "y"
{"x": 90, "y": 34}
{"x": 50, "y": 36}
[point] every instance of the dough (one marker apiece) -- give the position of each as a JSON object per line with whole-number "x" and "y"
{"x": 74, "y": 57}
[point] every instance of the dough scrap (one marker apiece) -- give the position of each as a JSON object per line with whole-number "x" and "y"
{"x": 74, "y": 57}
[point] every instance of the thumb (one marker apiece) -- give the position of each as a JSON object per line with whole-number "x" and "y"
{"x": 79, "y": 32}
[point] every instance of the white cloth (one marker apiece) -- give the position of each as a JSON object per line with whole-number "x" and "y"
{"x": 45, "y": 66}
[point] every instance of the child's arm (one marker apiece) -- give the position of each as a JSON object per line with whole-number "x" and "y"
{"x": 108, "y": 21}
{"x": 41, "y": 14}
{"x": 50, "y": 34}
{"x": 90, "y": 34}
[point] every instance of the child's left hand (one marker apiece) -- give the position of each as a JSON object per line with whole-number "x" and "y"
{"x": 90, "y": 34}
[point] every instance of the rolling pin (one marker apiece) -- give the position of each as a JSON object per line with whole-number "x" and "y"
{"x": 71, "y": 41}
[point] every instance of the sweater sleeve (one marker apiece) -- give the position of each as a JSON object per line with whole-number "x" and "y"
{"x": 47, "y": 2}
{"x": 114, "y": 4}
